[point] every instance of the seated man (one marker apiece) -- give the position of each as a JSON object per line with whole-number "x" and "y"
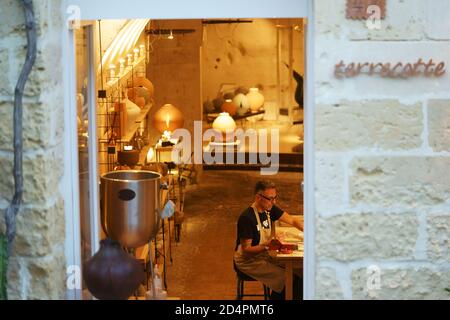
{"x": 254, "y": 233}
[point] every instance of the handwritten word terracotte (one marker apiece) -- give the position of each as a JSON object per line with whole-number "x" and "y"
{"x": 390, "y": 70}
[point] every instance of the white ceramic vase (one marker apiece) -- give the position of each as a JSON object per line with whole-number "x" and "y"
{"x": 241, "y": 101}
{"x": 255, "y": 99}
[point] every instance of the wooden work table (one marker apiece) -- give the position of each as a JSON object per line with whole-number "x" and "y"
{"x": 292, "y": 260}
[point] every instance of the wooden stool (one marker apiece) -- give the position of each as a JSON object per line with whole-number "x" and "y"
{"x": 241, "y": 278}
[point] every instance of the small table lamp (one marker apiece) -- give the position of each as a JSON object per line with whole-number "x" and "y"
{"x": 224, "y": 123}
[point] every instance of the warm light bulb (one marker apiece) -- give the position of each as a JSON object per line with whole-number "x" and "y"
{"x": 170, "y": 36}
{"x": 167, "y": 119}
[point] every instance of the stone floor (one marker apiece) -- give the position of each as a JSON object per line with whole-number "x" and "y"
{"x": 202, "y": 260}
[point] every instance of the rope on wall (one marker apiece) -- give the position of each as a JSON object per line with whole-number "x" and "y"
{"x": 13, "y": 209}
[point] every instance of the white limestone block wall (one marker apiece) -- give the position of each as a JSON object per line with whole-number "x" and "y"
{"x": 37, "y": 267}
{"x": 382, "y": 150}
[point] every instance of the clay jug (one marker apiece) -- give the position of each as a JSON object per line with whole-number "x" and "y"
{"x": 112, "y": 274}
{"x": 229, "y": 107}
{"x": 139, "y": 93}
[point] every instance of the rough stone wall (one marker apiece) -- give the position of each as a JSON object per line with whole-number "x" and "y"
{"x": 37, "y": 266}
{"x": 245, "y": 54}
{"x": 382, "y": 157}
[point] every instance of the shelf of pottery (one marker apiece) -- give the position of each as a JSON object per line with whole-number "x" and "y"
{"x": 122, "y": 116}
{"x": 161, "y": 246}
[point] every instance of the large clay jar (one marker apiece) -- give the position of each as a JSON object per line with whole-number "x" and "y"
{"x": 112, "y": 274}
{"x": 144, "y": 82}
{"x": 140, "y": 102}
{"x": 255, "y": 99}
{"x": 169, "y": 118}
{"x": 229, "y": 107}
{"x": 143, "y": 92}
{"x": 241, "y": 101}
{"x": 139, "y": 95}
{"x": 131, "y": 93}
{"x": 223, "y": 124}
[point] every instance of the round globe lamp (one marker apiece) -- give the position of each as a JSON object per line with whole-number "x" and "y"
{"x": 225, "y": 123}
{"x": 168, "y": 118}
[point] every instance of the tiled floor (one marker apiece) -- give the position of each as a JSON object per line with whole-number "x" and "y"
{"x": 202, "y": 261}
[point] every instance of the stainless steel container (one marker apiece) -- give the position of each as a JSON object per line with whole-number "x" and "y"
{"x": 130, "y": 206}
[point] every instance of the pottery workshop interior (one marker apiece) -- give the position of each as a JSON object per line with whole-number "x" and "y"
{"x": 177, "y": 121}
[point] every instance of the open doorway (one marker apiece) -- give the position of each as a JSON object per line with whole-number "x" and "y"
{"x": 211, "y": 65}
{"x": 180, "y": 64}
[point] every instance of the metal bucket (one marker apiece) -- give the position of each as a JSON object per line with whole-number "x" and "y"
{"x": 130, "y": 206}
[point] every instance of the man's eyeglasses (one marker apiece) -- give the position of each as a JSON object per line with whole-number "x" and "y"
{"x": 268, "y": 198}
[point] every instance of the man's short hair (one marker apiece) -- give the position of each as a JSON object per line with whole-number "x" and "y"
{"x": 264, "y": 185}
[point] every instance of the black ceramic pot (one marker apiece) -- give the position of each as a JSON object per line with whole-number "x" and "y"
{"x": 112, "y": 274}
{"x": 128, "y": 157}
{"x": 217, "y": 104}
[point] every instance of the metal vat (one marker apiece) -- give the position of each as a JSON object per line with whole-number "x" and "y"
{"x": 130, "y": 206}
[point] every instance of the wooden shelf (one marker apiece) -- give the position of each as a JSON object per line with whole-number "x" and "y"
{"x": 115, "y": 87}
